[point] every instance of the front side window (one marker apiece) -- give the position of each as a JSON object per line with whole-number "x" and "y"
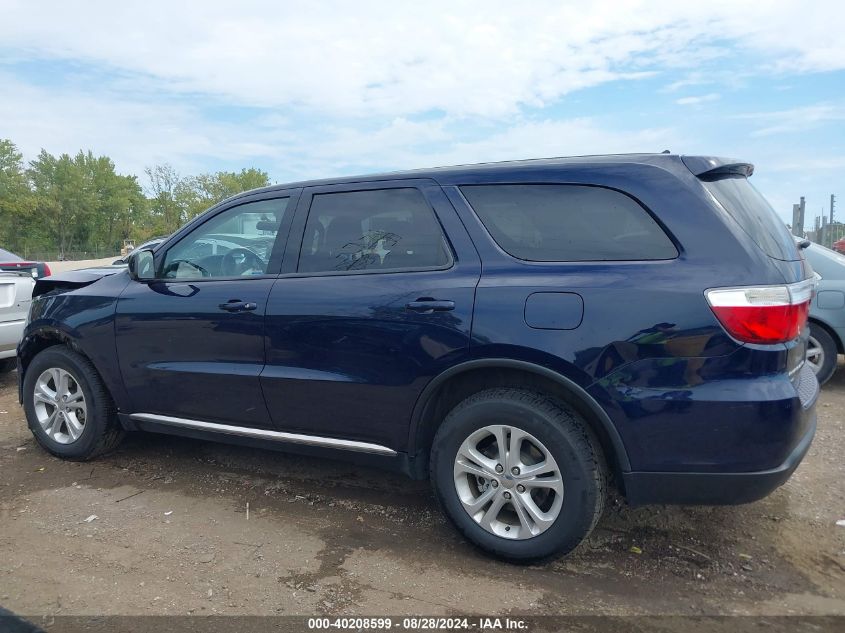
{"x": 568, "y": 223}
{"x": 377, "y": 230}
{"x": 235, "y": 243}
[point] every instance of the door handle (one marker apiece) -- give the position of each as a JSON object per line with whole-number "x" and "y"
{"x": 427, "y": 306}
{"x": 235, "y": 305}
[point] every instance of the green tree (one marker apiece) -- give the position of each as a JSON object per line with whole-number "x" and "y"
{"x": 60, "y": 198}
{"x": 16, "y": 200}
{"x": 117, "y": 201}
{"x": 78, "y": 203}
{"x": 165, "y": 189}
{"x": 201, "y": 192}
{"x": 81, "y": 202}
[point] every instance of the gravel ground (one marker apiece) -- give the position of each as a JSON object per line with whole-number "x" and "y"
{"x": 161, "y": 527}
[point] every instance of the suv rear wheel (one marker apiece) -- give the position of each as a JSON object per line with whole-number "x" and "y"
{"x": 67, "y": 407}
{"x": 519, "y": 474}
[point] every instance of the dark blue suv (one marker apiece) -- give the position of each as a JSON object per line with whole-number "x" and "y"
{"x": 523, "y": 333}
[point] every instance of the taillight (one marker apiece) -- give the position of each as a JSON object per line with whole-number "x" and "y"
{"x": 763, "y": 314}
{"x": 47, "y": 272}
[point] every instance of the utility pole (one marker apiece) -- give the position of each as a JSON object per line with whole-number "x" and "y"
{"x": 801, "y": 216}
{"x": 798, "y": 218}
{"x": 797, "y": 230}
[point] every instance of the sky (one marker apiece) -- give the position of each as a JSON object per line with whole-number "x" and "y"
{"x": 320, "y": 89}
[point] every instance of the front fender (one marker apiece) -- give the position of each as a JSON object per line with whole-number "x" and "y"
{"x": 83, "y": 319}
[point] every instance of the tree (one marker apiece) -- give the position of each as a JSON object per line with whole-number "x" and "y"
{"x": 79, "y": 203}
{"x": 60, "y": 203}
{"x": 16, "y": 199}
{"x": 204, "y": 191}
{"x": 118, "y": 199}
{"x": 165, "y": 184}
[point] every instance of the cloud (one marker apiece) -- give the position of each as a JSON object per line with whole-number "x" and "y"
{"x": 378, "y": 58}
{"x": 315, "y": 89}
{"x": 795, "y": 119}
{"x": 694, "y": 101}
{"x": 549, "y": 138}
{"x": 692, "y": 79}
{"x": 137, "y": 134}
{"x": 813, "y": 163}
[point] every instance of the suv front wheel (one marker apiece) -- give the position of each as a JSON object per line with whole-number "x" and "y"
{"x": 67, "y": 406}
{"x": 519, "y": 474}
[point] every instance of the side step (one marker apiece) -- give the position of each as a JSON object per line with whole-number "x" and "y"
{"x": 266, "y": 434}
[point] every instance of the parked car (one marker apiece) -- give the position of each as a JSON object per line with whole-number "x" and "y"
{"x": 839, "y": 245}
{"x": 150, "y": 244}
{"x": 15, "y": 296}
{"x": 827, "y": 311}
{"x": 520, "y": 333}
{"x": 13, "y": 263}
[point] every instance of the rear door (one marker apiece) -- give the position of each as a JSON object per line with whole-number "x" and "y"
{"x": 374, "y": 300}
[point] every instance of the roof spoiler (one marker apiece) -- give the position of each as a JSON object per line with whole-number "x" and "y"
{"x": 709, "y": 168}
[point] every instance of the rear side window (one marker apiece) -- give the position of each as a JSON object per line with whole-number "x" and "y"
{"x": 377, "y": 230}
{"x": 568, "y": 223}
{"x": 755, "y": 215}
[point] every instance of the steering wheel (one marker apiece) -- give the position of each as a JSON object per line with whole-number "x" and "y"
{"x": 231, "y": 267}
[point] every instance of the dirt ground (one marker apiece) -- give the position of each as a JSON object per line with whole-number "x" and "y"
{"x": 161, "y": 527}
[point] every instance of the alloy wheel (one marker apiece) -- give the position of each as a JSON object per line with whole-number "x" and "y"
{"x": 815, "y": 354}
{"x": 60, "y": 405}
{"x": 508, "y": 482}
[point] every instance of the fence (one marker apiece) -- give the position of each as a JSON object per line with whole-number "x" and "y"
{"x": 41, "y": 255}
{"x": 828, "y": 235}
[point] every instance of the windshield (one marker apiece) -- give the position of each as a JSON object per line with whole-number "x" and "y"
{"x": 755, "y": 215}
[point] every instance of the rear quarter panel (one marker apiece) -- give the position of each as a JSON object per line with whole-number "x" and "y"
{"x": 650, "y": 317}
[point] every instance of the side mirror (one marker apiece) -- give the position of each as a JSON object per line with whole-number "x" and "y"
{"x": 141, "y": 265}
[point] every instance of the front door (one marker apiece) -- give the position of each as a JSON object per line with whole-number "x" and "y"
{"x": 374, "y": 301}
{"x": 191, "y": 342}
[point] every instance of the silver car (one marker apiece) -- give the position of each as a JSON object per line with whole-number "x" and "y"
{"x": 15, "y": 297}
{"x": 827, "y": 312}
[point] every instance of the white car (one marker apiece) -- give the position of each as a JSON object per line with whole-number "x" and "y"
{"x": 15, "y": 297}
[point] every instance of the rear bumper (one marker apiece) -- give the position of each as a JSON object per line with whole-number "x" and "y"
{"x": 10, "y": 335}
{"x": 715, "y": 488}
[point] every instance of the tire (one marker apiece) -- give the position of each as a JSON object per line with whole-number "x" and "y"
{"x": 100, "y": 429}
{"x": 8, "y": 365}
{"x": 824, "y": 361}
{"x": 562, "y": 435}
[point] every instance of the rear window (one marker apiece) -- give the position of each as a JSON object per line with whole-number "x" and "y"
{"x": 755, "y": 215}
{"x": 568, "y": 223}
{"x": 6, "y": 256}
